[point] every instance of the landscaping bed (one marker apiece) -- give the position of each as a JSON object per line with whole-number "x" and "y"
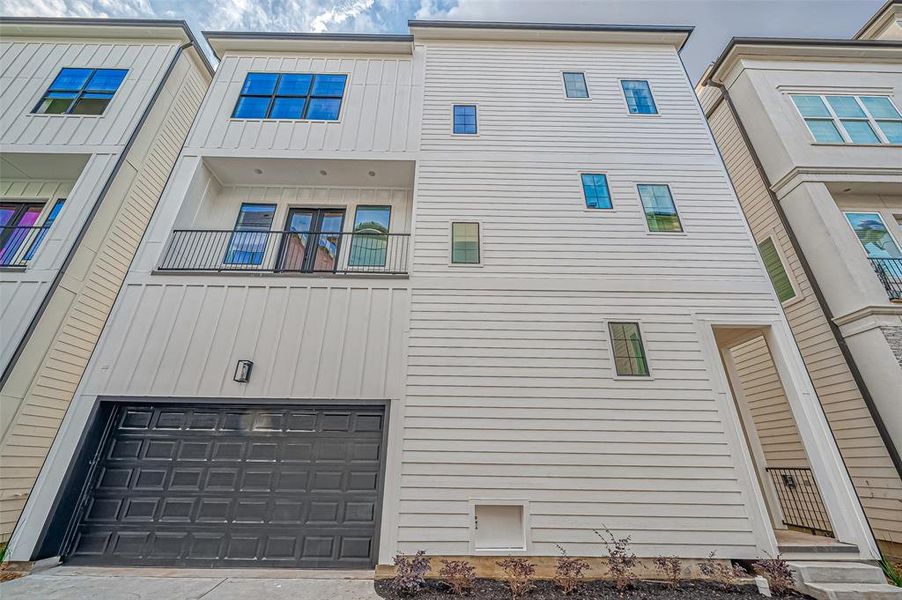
{"x": 491, "y": 589}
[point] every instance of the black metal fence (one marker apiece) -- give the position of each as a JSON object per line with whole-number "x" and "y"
{"x": 800, "y": 500}
{"x": 19, "y": 244}
{"x": 286, "y": 251}
{"x": 889, "y": 272}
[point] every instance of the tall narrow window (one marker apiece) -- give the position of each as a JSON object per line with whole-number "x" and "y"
{"x": 629, "y": 354}
{"x": 575, "y": 85}
{"x": 776, "y": 271}
{"x": 465, "y": 243}
{"x": 595, "y": 191}
{"x": 81, "y": 92}
{"x": 873, "y": 235}
{"x": 660, "y": 211}
{"x": 17, "y": 229}
{"x": 249, "y": 242}
{"x": 465, "y": 119}
{"x": 45, "y": 227}
{"x": 638, "y": 97}
{"x": 290, "y": 96}
{"x": 850, "y": 119}
{"x": 369, "y": 243}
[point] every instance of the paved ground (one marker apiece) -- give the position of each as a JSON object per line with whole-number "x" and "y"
{"x": 82, "y": 583}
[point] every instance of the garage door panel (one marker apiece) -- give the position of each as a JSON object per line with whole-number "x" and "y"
{"x": 235, "y": 486}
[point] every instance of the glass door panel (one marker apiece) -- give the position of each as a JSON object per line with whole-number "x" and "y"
{"x": 328, "y": 241}
{"x": 17, "y": 225}
{"x": 294, "y": 245}
{"x": 312, "y": 240}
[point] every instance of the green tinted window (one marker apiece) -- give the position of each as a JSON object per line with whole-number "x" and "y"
{"x": 775, "y": 270}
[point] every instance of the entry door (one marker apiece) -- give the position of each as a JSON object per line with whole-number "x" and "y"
{"x": 314, "y": 240}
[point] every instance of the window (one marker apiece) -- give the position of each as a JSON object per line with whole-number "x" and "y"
{"x": 370, "y": 239}
{"x": 850, "y": 119}
{"x": 638, "y": 97}
{"x": 248, "y": 243}
{"x": 80, "y": 92}
{"x": 290, "y": 96}
{"x": 51, "y": 217}
{"x": 776, "y": 271}
{"x": 575, "y": 85}
{"x": 465, "y": 119}
{"x": 595, "y": 191}
{"x": 629, "y": 354}
{"x": 17, "y": 229}
{"x": 465, "y": 243}
{"x": 873, "y": 235}
{"x": 660, "y": 211}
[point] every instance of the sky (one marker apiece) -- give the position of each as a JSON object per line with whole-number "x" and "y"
{"x": 715, "y": 21}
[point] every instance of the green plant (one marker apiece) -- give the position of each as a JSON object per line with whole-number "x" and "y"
{"x": 621, "y": 559}
{"x": 568, "y": 572}
{"x": 410, "y": 573}
{"x": 776, "y": 571}
{"x": 458, "y": 574}
{"x": 518, "y": 573}
{"x": 671, "y": 567}
{"x": 891, "y": 572}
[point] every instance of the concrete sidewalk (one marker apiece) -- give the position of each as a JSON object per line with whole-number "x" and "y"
{"x": 84, "y": 583}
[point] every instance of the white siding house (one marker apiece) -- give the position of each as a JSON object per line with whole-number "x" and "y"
{"x": 520, "y": 351}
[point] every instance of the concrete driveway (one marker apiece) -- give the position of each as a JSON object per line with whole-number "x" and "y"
{"x": 84, "y": 583}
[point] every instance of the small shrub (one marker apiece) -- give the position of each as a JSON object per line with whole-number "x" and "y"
{"x": 410, "y": 573}
{"x": 621, "y": 559}
{"x": 458, "y": 574}
{"x": 724, "y": 573}
{"x": 568, "y": 572}
{"x": 776, "y": 571}
{"x": 671, "y": 568}
{"x": 518, "y": 573}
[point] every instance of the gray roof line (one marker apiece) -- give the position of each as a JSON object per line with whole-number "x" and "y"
{"x": 288, "y": 35}
{"x": 874, "y": 17}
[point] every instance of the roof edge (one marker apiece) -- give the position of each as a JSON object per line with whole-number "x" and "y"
{"x": 287, "y": 36}
{"x": 875, "y": 17}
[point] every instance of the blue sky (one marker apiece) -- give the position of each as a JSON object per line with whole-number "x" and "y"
{"x": 715, "y": 20}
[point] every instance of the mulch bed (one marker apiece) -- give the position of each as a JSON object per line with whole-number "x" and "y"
{"x": 490, "y": 589}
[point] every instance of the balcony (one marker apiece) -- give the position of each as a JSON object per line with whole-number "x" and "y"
{"x": 292, "y": 252}
{"x": 19, "y": 244}
{"x": 889, "y": 272}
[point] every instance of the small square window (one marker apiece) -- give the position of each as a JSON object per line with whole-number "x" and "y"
{"x": 575, "y": 85}
{"x": 465, "y": 243}
{"x": 776, "y": 271}
{"x": 638, "y": 97}
{"x": 660, "y": 211}
{"x": 595, "y": 191}
{"x": 81, "y": 92}
{"x": 465, "y": 119}
{"x": 629, "y": 353}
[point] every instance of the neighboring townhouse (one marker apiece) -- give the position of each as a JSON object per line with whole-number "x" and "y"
{"x": 93, "y": 114}
{"x": 811, "y": 133}
{"x": 477, "y": 290}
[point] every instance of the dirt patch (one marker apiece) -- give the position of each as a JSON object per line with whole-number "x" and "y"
{"x": 490, "y": 589}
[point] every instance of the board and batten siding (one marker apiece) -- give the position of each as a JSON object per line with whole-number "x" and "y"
{"x": 43, "y": 382}
{"x": 866, "y": 457}
{"x": 379, "y": 111}
{"x": 510, "y": 391}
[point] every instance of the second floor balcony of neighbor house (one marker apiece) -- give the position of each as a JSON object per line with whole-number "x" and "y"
{"x": 889, "y": 272}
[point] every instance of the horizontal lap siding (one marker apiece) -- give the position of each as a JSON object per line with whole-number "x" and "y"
{"x": 872, "y": 471}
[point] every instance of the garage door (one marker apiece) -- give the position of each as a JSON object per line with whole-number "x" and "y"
{"x": 235, "y": 486}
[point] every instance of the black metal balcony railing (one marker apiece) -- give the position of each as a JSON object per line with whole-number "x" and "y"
{"x": 286, "y": 251}
{"x": 889, "y": 272}
{"x": 18, "y": 244}
{"x": 800, "y": 500}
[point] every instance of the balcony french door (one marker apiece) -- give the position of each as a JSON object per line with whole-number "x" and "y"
{"x": 312, "y": 240}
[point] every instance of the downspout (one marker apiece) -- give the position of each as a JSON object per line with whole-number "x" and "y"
{"x": 843, "y": 347}
{"x": 70, "y": 255}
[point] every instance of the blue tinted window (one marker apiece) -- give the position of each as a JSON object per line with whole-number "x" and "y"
{"x": 290, "y": 96}
{"x": 81, "y": 91}
{"x": 638, "y": 97}
{"x": 595, "y": 190}
{"x": 251, "y": 239}
{"x": 465, "y": 119}
{"x": 575, "y": 85}
{"x": 660, "y": 211}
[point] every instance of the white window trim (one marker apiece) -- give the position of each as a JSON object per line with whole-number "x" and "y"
{"x": 481, "y": 228}
{"x": 797, "y": 294}
{"x": 341, "y": 109}
{"x": 837, "y": 121}
{"x": 527, "y": 541}
{"x": 610, "y": 342}
{"x": 585, "y": 80}
{"x": 626, "y": 105}
{"x": 867, "y": 211}
{"x": 582, "y": 192}
{"x": 648, "y": 231}
{"x": 451, "y": 119}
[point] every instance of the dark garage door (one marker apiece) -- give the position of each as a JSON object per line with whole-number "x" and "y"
{"x": 235, "y": 486}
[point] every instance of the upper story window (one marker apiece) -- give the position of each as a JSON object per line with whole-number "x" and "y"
{"x": 291, "y": 96}
{"x": 629, "y": 353}
{"x": 850, "y": 119}
{"x": 660, "y": 211}
{"x": 80, "y": 92}
{"x": 776, "y": 271}
{"x": 465, "y": 243}
{"x": 575, "y": 85}
{"x": 638, "y": 97}
{"x": 20, "y": 235}
{"x": 250, "y": 240}
{"x": 875, "y": 238}
{"x": 595, "y": 191}
{"x": 464, "y": 119}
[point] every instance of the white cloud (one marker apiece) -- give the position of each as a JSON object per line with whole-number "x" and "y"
{"x": 339, "y": 14}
